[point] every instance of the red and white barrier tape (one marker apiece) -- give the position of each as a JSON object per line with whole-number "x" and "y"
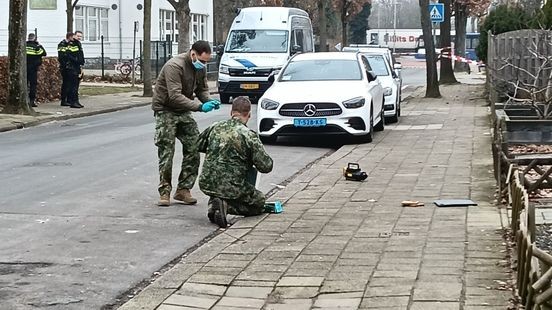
{"x": 461, "y": 59}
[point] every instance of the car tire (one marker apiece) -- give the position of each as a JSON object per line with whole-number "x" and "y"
{"x": 381, "y": 125}
{"x": 367, "y": 138}
{"x": 395, "y": 118}
{"x": 268, "y": 139}
{"x": 224, "y": 99}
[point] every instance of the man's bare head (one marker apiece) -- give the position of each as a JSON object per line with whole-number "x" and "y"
{"x": 241, "y": 108}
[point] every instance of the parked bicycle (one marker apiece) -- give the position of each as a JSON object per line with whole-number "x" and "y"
{"x": 125, "y": 67}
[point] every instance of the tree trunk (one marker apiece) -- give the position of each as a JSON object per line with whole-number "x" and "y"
{"x": 17, "y": 60}
{"x": 146, "y": 50}
{"x": 70, "y": 5}
{"x": 182, "y": 9}
{"x": 447, "y": 73}
{"x": 323, "y": 25}
{"x": 432, "y": 89}
{"x": 344, "y": 31}
{"x": 460, "y": 21}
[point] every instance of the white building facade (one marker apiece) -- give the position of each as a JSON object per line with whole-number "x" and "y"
{"x": 112, "y": 19}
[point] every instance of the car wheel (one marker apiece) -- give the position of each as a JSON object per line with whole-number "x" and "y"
{"x": 268, "y": 139}
{"x": 224, "y": 99}
{"x": 381, "y": 125}
{"x": 395, "y": 118}
{"x": 367, "y": 138}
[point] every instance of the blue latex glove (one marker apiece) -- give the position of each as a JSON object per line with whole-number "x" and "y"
{"x": 208, "y": 106}
{"x": 215, "y": 102}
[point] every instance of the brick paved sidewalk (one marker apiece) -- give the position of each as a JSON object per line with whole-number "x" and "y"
{"x": 348, "y": 245}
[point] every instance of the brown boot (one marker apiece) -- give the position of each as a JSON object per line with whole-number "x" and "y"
{"x": 184, "y": 196}
{"x": 164, "y": 200}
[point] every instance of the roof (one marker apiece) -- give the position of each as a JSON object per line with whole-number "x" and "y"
{"x": 266, "y": 17}
{"x": 325, "y": 55}
{"x": 365, "y": 49}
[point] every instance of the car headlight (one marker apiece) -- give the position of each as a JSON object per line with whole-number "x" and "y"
{"x": 388, "y": 91}
{"x": 268, "y": 104}
{"x": 224, "y": 69}
{"x": 354, "y": 103}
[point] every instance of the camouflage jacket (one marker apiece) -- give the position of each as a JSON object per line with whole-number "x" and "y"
{"x": 231, "y": 149}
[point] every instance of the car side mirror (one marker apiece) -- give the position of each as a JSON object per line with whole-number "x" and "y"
{"x": 273, "y": 75}
{"x": 371, "y": 76}
{"x": 220, "y": 50}
{"x": 397, "y": 66}
{"x": 296, "y": 49}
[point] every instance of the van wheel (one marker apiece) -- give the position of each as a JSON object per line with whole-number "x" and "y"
{"x": 224, "y": 99}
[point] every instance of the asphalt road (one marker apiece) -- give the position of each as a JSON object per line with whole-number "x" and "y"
{"x": 78, "y": 220}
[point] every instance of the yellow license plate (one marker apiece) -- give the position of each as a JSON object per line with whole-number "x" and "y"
{"x": 249, "y": 86}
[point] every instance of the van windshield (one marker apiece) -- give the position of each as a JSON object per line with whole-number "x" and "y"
{"x": 257, "y": 41}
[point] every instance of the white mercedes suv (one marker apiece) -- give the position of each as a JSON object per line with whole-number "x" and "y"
{"x": 322, "y": 93}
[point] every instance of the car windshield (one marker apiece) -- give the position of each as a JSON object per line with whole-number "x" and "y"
{"x": 257, "y": 41}
{"x": 378, "y": 64}
{"x": 322, "y": 70}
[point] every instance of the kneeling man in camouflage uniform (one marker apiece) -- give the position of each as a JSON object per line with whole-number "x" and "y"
{"x": 231, "y": 151}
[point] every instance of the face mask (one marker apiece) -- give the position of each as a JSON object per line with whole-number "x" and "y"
{"x": 198, "y": 65}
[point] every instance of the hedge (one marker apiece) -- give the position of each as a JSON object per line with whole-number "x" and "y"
{"x": 49, "y": 80}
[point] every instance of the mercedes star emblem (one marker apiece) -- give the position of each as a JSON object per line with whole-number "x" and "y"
{"x": 309, "y": 110}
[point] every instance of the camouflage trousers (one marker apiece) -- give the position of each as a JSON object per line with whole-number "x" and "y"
{"x": 249, "y": 202}
{"x": 183, "y": 127}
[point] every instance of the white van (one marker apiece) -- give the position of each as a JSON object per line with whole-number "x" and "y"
{"x": 260, "y": 42}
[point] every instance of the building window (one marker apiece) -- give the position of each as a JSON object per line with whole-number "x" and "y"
{"x": 167, "y": 25}
{"x": 198, "y": 29}
{"x": 93, "y": 22}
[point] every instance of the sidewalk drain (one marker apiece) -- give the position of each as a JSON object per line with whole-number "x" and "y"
{"x": 395, "y": 234}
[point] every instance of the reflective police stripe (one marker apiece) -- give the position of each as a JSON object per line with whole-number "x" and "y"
{"x": 33, "y": 52}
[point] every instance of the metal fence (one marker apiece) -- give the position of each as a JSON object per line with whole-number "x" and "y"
{"x": 516, "y": 57}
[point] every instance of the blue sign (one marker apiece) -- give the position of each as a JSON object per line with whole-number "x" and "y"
{"x": 437, "y": 12}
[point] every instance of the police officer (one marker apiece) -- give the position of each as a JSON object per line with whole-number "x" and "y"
{"x": 231, "y": 150}
{"x": 77, "y": 38}
{"x": 35, "y": 52}
{"x": 64, "y": 67}
{"x": 71, "y": 60}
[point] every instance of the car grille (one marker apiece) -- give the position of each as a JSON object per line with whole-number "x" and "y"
{"x": 249, "y": 72}
{"x": 322, "y": 109}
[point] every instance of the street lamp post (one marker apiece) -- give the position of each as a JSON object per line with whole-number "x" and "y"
{"x": 394, "y": 24}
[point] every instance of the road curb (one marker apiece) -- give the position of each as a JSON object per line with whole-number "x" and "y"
{"x": 33, "y": 123}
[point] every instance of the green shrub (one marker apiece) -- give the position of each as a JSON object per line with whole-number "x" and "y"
{"x": 502, "y": 19}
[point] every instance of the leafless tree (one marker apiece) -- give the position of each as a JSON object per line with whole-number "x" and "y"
{"x": 182, "y": 8}
{"x": 432, "y": 89}
{"x": 447, "y": 73}
{"x": 17, "y": 60}
{"x": 146, "y": 51}
{"x": 70, "y": 10}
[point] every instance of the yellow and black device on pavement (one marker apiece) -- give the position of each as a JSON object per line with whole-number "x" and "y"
{"x": 353, "y": 173}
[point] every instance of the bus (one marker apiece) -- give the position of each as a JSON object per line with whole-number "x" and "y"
{"x": 472, "y": 41}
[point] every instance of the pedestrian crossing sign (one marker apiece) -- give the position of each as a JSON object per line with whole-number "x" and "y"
{"x": 437, "y": 12}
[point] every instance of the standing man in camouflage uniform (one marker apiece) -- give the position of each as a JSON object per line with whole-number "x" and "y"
{"x": 231, "y": 151}
{"x": 173, "y": 102}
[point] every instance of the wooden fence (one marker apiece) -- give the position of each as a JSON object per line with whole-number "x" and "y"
{"x": 512, "y": 57}
{"x": 534, "y": 274}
